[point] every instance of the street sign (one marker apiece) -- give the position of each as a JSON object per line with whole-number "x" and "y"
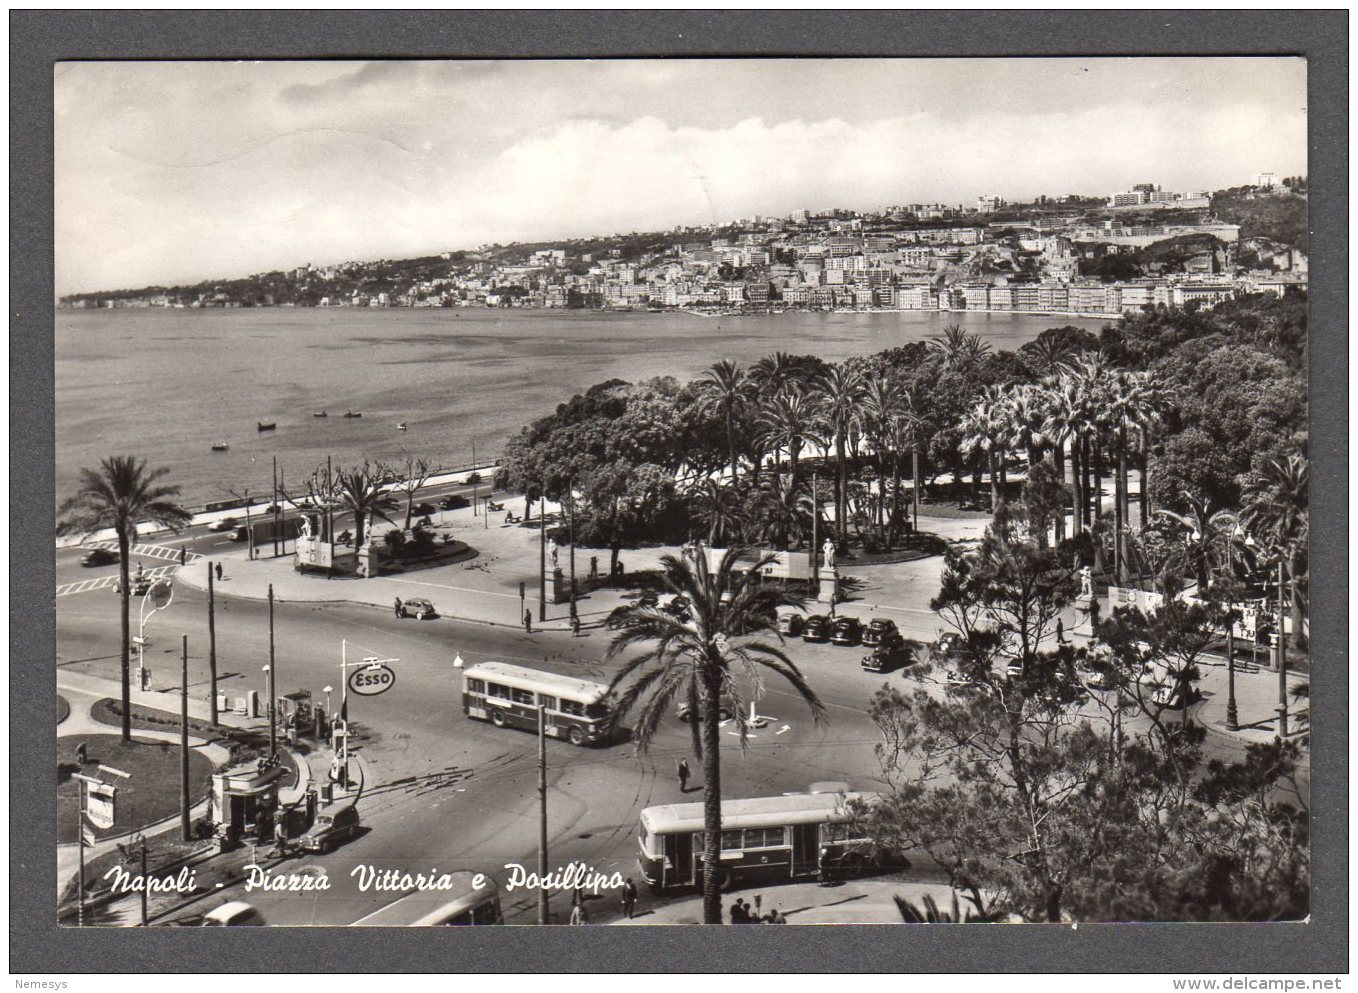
{"x": 372, "y": 680}
{"x": 99, "y": 804}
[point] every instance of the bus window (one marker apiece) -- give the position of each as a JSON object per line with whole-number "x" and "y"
{"x": 839, "y": 832}
{"x": 573, "y": 707}
{"x": 765, "y": 838}
{"x": 731, "y": 841}
{"x": 498, "y": 691}
{"x": 476, "y": 686}
{"x": 523, "y": 696}
{"x": 547, "y": 701}
{"x": 596, "y": 710}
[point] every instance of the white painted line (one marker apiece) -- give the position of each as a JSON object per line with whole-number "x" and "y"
{"x": 785, "y": 727}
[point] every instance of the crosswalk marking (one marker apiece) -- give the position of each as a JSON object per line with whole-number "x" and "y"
{"x": 167, "y": 552}
{"x": 107, "y": 582}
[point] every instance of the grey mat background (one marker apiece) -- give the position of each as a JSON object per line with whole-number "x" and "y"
{"x": 38, "y": 39}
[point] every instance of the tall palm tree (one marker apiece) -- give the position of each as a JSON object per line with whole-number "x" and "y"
{"x": 722, "y": 648}
{"x": 1277, "y": 506}
{"x": 1051, "y": 354}
{"x": 959, "y": 350}
{"x": 773, "y": 372}
{"x": 782, "y": 512}
{"x": 723, "y": 389}
{"x": 840, "y": 392}
{"x": 789, "y": 422}
{"x": 360, "y": 491}
{"x": 985, "y": 431}
{"x": 121, "y": 495}
{"x": 884, "y": 403}
{"x": 1211, "y": 534}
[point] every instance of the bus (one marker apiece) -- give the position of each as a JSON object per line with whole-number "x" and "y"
{"x": 509, "y": 695}
{"x": 462, "y": 905}
{"x": 765, "y": 839}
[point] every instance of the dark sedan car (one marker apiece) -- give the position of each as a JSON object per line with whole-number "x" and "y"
{"x": 454, "y": 501}
{"x": 847, "y": 631}
{"x": 888, "y": 654}
{"x": 879, "y": 631}
{"x": 816, "y": 628}
{"x": 100, "y": 556}
{"x": 422, "y": 509}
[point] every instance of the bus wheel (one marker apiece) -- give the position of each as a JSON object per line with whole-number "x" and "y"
{"x": 577, "y": 736}
{"x": 497, "y": 718}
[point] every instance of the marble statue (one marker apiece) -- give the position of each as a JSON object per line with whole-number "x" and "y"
{"x": 829, "y": 550}
{"x": 1086, "y": 582}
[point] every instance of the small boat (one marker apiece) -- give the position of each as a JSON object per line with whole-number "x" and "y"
{"x": 350, "y": 413}
{"x": 220, "y": 446}
{"x": 319, "y": 413}
{"x": 260, "y": 425}
{"x": 400, "y": 425}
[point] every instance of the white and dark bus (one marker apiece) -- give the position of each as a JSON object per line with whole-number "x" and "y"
{"x": 509, "y": 695}
{"x": 766, "y": 839}
{"x": 463, "y": 905}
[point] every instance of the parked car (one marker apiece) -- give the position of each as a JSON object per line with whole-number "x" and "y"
{"x": 887, "y": 654}
{"x": 99, "y": 556}
{"x": 816, "y": 628}
{"x": 454, "y": 501}
{"x": 846, "y": 631}
{"x": 333, "y": 825}
{"x": 237, "y": 913}
{"x": 423, "y": 509}
{"x": 241, "y": 533}
{"x": 225, "y": 524}
{"x": 418, "y": 608}
{"x": 790, "y": 624}
{"x": 1014, "y": 670}
{"x": 1174, "y": 696}
{"x": 956, "y": 678}
{"x": 878, "y": 629}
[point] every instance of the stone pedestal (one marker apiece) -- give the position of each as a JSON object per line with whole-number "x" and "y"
{"x": 560, "y": 588}
{"x": 1084, "y": 607}
{"x": 829, "y": 586}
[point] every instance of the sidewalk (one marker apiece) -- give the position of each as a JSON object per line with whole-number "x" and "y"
{"x": 860, "y": 901}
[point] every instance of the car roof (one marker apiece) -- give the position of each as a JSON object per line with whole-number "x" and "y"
{"x": 230, "y": 909}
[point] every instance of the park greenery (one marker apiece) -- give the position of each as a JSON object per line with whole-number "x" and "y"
{"x": 1205, "y": 410}
{"x": 1052, "y": 783}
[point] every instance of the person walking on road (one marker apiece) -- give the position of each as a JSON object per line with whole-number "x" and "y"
{"x": 594, "y": 567}
{"x": 682, "y": 769}
{"x": 219, "y": 572}
{"x": 1060, "y": 632}
{"x": 575, "y": 621}
{"x": 528, "y": 621}
{"x": 183, "y": 555}
{"x": 629, "y": 898}
{"x": 398, "y": 606}
{"x": 737, "y": 913}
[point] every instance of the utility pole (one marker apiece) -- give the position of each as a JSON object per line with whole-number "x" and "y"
{"x": 212, "y": 645}
{"x": 914, "y": 472}
{"x": 273, "y": 729}
{"x": 543, "y": 911}
{"x": 542, "y": 557}
{"x": 80, "y": 843}
{"x": 275, "y": 506}
{"x": 329, "y": 509}
{"x": 815, "y": 520}
{"x": 1282, "y": 654}
{"x": 570, "y": 495}
{"x": 184, "y": 743}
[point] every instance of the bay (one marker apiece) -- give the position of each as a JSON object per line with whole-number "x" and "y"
{"x": 166, "y": 384}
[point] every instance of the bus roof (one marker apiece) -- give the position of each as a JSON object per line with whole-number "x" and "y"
{"x": 522, "y": 677}
{"x": 768, "y": 811}
{"x": 431, "y": 906}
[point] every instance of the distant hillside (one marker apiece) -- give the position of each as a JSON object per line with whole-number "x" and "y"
{"x": 1279, "y": 216}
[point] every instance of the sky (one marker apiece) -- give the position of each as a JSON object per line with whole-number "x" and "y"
{"x": 172, "y": 172}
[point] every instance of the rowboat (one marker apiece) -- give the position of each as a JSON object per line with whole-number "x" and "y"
{"x": 350, "y": 413}
{"x": 220, "y": 446}
{"x": 319, "y": 413}
{"x": 260, "y": 425}
{"x": 401, "y": 426}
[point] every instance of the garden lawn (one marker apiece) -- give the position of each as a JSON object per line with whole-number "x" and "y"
{"x": 152, "y": 793}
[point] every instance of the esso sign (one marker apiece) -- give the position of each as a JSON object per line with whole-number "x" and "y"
{"x": 372, "y": 680}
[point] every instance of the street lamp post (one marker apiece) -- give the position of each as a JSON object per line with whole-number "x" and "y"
{"x": 273, "y": 696}
{"x": 160, "y": 596}
{"x": 1282, "y": 654}
{"x": 1232, "y": 716}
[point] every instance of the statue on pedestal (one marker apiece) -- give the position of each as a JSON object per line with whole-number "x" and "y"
{"x": 828, "y": 549}
{"x": 1086, "y": 583}
{"x": 306, "y": 526}
{"x": 555, "y": 553}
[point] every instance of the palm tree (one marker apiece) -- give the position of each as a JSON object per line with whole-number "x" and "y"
{"x": 959, "y": 350}
{"x": 782, "y": 512}
{"x": 1277, "y": 506}
{"x": 1051, "y": 354}
{"x": 884, "y": 403}
{"x": 723, "y": 389}
{"x": 984, "y": 431}
{"x": 721, "y": 648}
{"x": 773, "y": 372}
{"x": 122, "y": 494}
{"x": 720, "y": 506}
{"x": 840, "y": 392}
{"x": 360, "y": 491}
{"x": 1212, "y": 533}
{"x": 789, "y": 422}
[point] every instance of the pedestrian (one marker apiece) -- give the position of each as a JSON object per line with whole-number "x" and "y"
{"x": 758, "y": 904}
{"x": 682, "y": 769}
{"x": 528, "y": 621}
{"x": 737, "y": 913}
{"x": 629, "y": 898}
{"x": 398, "y": 606}
{"x": 594, "y": 567}
{"x": 575, "y": 624}
{"x": 219, "y": 572}
{"x": 82, "y": 753}
{"x": 747, "y": 913}
{"x": 1060, "y": 632}
{"x": 183, "y": 554}
{"x": 578, "y": 915}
